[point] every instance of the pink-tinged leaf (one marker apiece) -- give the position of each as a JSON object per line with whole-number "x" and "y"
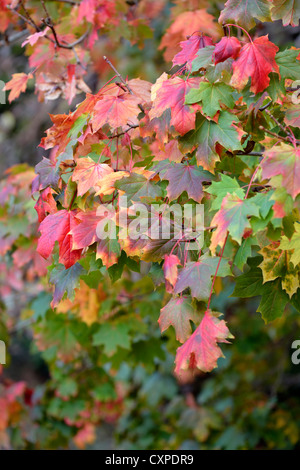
{"x": 171, "y": 268}
{"x": 89, "y": 174}
{"x": 196, "y": 275}
{"x": 256, "y": 60}
{"x": 283, "y": 160}
{"x": 201, "y": 350}
{"x": 228, "y": 47}
{"x": 178, "y": 313}
{"x": 187, "y": 178}
{"x": 57, "y": 227}
{"x": 17, "y": 85}
{"x": 84, "y": 234}
{"x": 33, "y": 38}
{"x": 48, "y": 173}
{"x": 171, "y": 95}
{"x": 190, "y": 48}
{"x": 117, "y": 110}
{"x": 232, "y": 217}
{"x": 292, "y": 115}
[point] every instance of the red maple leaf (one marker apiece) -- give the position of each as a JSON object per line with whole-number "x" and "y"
{"x": 45, "y": 204}
{"x": 84, "y": 233}
{"x": 190, "y": 48}
{"x": 227, "y": 47}
{"x": 57, "y": 227}
{"x": 256, "y": 60}
{"x": 171, "y": 95}
{"x": 201, "y": 350}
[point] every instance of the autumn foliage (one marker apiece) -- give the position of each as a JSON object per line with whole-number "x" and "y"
{"x": 220, "y": 127}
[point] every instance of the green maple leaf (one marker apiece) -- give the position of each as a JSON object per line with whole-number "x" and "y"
{"x": 64, "y": 332}
{"x": 273, "y": 301}
{"x": 205, "y": 136}
{"x": 111, "y": 336}
{"x": 220, "y": 189}
{"x": 65, "y": 280}
{"x": 289, "y": 65}
{"x": 178, "y": 312}
{"x": 273, "y": 298}
{"x": 243, "y": 12}
{"x": 243, "y": 253}
{"x": 203, "y": 59}
{"x": 138, "y": 187}
{"x": 211, "y": 95}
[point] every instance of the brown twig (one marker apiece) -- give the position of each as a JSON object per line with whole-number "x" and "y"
{"x": 118, "y": 74}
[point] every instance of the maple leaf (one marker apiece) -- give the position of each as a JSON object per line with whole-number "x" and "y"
{"x": 48, "y": 173}
{"x": 57, "y": 227}
{"x": 286, "y": 10}
{"x": 117, "y": 110}
{"x": 228, "y": 47}
{"x": 201, "y": 350}
{"x": 250, "y": 284}
{"x": 138, "y": 186}
{"x": 187, "y": 178}
{"x": 276, "y": 263}
{"x": 243, "y": 12}
{"x": 211, "y": 95}
{"x": 65, "y": 280}
{"x": 171, "y": 95}
{"x": 292, "y": 116}
{"x": 190, "y": 49}
{"x": 292, "y": 244}
{"x": 220, "y": 189}
{"x": 84, "y": 233}
{"x": 232, "y": 217}
{"x": 185, "y": 24}
{"x": 196, "y": 275}
{"x": 283, "y": 160}
{"x": 88, "y": 174}
{"x": 171, "y": 263}
{"x": 45, "y": 204}
{"x": 17, "y": 85}
{"x": 256, "y": 60}
{"x": 207, "y": 134}
{"x": 289, "y": 63}
{"x": 203, "y": 59}
{"x": 178, "y": 312}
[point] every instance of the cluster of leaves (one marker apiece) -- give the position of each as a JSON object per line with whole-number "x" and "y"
{"x": 222, "y": 130}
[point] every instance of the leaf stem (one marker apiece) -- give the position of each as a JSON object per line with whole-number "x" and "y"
{"x": 237, "y": 26}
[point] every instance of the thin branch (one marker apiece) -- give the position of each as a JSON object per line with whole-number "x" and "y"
{"x": 124, "y": 132}
{"x": 118, "y": 74}
{"x": 279, "y": 137}
{"x": 25, "y": 19}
